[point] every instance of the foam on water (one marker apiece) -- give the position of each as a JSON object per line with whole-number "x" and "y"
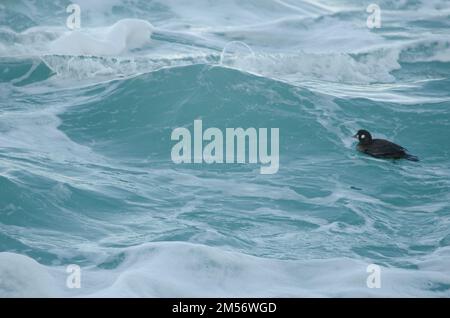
{"x": 187, "y": 270}
{"x": 125, "y": 35}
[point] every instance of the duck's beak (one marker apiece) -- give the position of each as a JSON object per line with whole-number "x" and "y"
{"x": 355, "y": 136}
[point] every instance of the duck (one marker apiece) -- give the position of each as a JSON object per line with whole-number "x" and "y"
{"x": 380, "y": 148}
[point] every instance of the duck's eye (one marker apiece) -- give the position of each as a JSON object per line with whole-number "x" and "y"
{"x": 363, "y": 136}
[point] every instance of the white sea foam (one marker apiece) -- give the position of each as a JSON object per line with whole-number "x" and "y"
{"x": 188, "y": 270}
{"x": 21, "y": 276}
{"x": 314, "y": 45}
{"x": 341, "y": 68}
{"x": 123, "y": 36}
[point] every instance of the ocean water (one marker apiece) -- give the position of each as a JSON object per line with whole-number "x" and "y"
{"x": 86, "y": 175}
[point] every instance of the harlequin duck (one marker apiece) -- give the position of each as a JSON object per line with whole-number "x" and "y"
{"x": 380, "y": 148}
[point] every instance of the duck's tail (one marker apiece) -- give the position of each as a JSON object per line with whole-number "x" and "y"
{"x": 412, "y": 158}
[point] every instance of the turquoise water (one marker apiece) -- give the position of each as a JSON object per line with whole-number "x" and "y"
{"x": 86, "y": 175}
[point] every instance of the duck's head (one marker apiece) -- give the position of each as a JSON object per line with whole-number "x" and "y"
{"x": 363, "y": 136}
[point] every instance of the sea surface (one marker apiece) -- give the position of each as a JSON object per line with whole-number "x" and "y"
{"x": 86, "y": 175}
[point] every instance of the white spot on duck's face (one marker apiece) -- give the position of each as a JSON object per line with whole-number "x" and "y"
{"x": 363, "y": 136}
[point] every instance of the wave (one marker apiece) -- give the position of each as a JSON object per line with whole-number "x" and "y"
{"x": 103, "y": 154}
{"x": 188, "y": 270}
{"x": 378, "y": 72}
{"x": 123, "y": 36}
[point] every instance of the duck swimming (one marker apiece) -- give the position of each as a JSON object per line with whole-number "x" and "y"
{"x": 380, "y": 148}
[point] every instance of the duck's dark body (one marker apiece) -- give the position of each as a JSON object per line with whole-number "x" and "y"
{"x": 380, "y": 148}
